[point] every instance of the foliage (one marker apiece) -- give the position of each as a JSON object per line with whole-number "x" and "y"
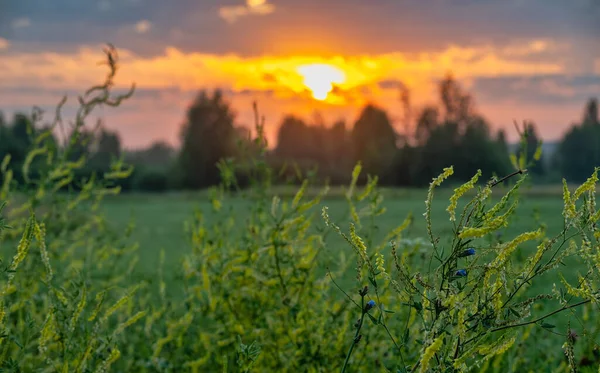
{"x": 151, "y": 180}
{"x": 159, "y": 155}
{"x": 374, "y": 140}
{"x": 65, "y": 301}
{"x": 533, "y": 144}
{"x": 453, "y": 134}
{"x": 208, "y": 135}
{"x": 465, "y": 299}
{"x": 579, "y": 152}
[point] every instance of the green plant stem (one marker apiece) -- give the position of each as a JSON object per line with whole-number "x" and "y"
{"x": 414, "y": 369}
{"x": 530, "y": 276}
{"x": 276, "y": 230}
{"x": 564, "y": 308}
{"x": 518, "y": 172}
{"x": 355, "y": 339}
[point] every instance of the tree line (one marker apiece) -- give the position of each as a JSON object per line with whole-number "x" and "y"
{"x": 450, "y": 133}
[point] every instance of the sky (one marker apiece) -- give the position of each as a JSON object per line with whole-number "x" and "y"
{"x": 521, "y": 59}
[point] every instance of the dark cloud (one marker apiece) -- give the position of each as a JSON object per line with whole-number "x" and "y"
{"x": 545, "y": 89}
{"x": 390, "y": 84}
{"x": 251, "y": 92}
{"x": 345, "y": 26}
{"x": 271, "y": 78}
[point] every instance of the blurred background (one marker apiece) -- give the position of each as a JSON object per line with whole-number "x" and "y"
{"x": 406, "y": 87}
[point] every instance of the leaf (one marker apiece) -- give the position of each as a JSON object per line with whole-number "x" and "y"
{"x": 372, "y": 280}
{"x": 15, "y": 341}
{"x": 373, "y": 319}
{"x": 389, "y": 311}
{"x": 512, "y": 310}
{"x": 548, "y": 326}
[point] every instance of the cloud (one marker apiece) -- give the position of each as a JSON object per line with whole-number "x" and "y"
{"x": 167, "y": 82}
{"x": 543, "y": 89}
{"x": 190, "y": 71}
{"x": 533, "y": 48}
{"x": 390, "y": 84}
{"x": 309, "y": 27}
{"x": 143, "y": 26}
{"x": 4, "y": 44}
{"x": 22, "y": 22}
{"x": 232, "y": 13}
{"x": 104, "y": 5}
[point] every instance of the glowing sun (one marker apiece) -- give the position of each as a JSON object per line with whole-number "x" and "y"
{"x": 319, "y": 79}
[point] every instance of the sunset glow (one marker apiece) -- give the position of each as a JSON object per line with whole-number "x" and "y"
{"x": 320, "y": 78}
{"x": 300, "y": 58}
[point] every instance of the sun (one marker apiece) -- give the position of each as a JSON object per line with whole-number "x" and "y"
{"x": 319, "y": 78}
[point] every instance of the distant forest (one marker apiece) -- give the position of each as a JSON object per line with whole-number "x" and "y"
{"x": 451, "y": 133}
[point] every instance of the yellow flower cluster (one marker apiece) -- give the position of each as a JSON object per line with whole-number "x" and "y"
{"x": 489, "y": 226}
{"x": 459, "y": 192}
{"x": 380, "y": 263}
{"x": 358, "y": 243}
{"x": 429, "y": 352}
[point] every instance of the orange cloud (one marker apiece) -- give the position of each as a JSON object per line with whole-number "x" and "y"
{"x": 532, "y": 47}
{"x": 259, "y": 7}
{"x": 191, "y": 71}
{"x": 276, "y": 82}
{"x": 4, "y": 43}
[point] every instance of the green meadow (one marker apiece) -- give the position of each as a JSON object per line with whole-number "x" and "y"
{"x": 160, "y": 218}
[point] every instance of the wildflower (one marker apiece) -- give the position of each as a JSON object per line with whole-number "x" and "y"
{"x": 370, "y": 304}
{"x": 459, "y": 192}
{"x": 467, "y": 252}
{"x": 429, "y": 352}
{"x": 461, "y": 273}
{"x": 380, "y": 263}
{"x": 490, "y": 226}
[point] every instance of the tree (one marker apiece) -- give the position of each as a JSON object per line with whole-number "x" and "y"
{"x": 107, "y": 146}
{"x": 428, "y": 120}
{"x": 407, "y": 114}
{"x": 579, "y": 150}
{"x": 158, "y": 155}
{"x": 339, "y": 143}
{"x": 374, "y": 141}
{"x": 501, "y": 141}
{"x": 21, "y": 130}
{"x": 532, "y": 143}
{"x": 457, "y": 104}
{"x": 293, "y": 139}
{"x": 461, "y": 138}
{"x": 207, "y": 136}
{"x": 6, "y": 138}
{"x": 591, "y": 113}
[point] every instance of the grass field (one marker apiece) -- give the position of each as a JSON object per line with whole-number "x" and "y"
{"x": 160, "y": 225}
{"x": 160, "y": 218}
